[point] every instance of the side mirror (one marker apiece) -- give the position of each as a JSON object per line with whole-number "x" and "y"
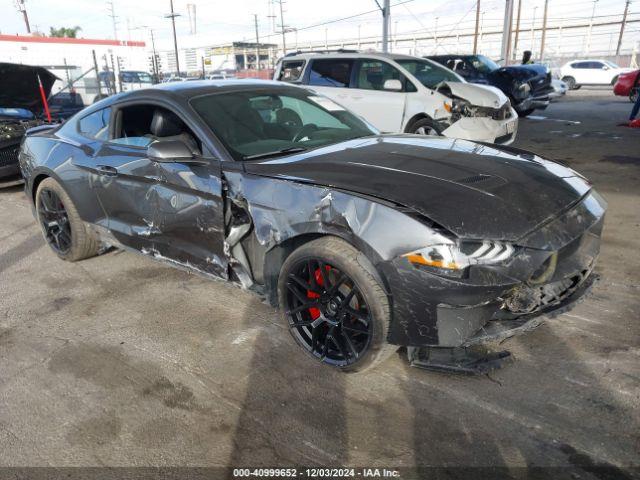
{"x": 392, "y": 84}
{"x": 605, "y": 67}
{"x": 172, "y": 151}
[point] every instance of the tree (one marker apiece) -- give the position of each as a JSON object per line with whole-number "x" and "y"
{"x": 71, "y": 32}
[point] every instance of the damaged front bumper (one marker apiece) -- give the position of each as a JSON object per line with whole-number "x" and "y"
{"x": 546, "y": 277}
{"x": 484, "y": 129}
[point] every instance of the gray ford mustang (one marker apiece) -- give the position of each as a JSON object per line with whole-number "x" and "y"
{"x": 366, "y": 242}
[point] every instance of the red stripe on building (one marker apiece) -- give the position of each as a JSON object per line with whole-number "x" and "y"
{"x": 72, "y": 41}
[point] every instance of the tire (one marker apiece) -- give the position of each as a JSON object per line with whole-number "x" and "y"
{"x": 336, "y": 258}
{"x": 423, "y": 126}
{"x": 571, "y": 82}
{"x": 633, "y": 94}
{"x": 59, "y": 221}
{"x": 525, "y": 113}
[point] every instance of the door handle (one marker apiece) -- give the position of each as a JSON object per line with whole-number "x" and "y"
{"x": 107, "y": 170}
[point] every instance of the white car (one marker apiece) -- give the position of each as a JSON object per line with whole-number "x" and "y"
{"x": 134, "y": 80}
{"x": 401, "y": 93}
{"x": 590, "y": 72}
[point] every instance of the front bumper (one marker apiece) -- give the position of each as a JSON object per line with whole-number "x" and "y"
{"x": 9, "y": 160}
{"x": 539, "y": 102}
{"x": 484, "y": 129}
{"x": 436, "y": 311}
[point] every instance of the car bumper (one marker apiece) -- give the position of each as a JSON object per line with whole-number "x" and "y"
{"x": 430, "y": 310}
{"x": 9, "y": 160}
{"x": 484, "y": 129}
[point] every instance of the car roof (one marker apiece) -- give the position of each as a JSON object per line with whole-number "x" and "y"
{"x": 324, "y": 55}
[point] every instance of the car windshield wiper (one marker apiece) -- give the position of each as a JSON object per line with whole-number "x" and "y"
{"x": 274, "y": 153}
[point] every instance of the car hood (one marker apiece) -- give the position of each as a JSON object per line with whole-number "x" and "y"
{"x": 479, "y": 95}
{"x": 473, "y": 190}
{"x": 19, "y": 86}
{"x": 524, "y": 72}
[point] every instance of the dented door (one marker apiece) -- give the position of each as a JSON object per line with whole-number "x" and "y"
{"x": 189, "y": 217}
{"x": 127, "y": 180}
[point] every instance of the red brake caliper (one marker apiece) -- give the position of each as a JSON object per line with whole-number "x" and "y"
{"x": 313, "y": 311}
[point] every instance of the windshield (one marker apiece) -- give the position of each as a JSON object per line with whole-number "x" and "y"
{"x": 21, "y": 113}
{"x": 257, "y": 124}
{"x": 429, "y": 74}
{"x": 483, "y": 64}
{"x": 611, "y": 64}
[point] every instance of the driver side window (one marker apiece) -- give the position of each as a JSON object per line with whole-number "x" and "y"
{"x": 140, "y": 125}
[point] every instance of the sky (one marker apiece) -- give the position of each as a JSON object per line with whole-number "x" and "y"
{"x": 222, "y": 21}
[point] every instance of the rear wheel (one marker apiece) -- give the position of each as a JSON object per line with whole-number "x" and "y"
{"x": 335, "y": 308}
{"x": 62, "y": 227}
{"x": 571, "y": 82}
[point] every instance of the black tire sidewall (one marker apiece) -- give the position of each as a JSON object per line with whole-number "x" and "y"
{"x": 325, "y": 248}
{"x": 424, "y": 122}
{"x": 571, "y": 82}
{"x": 78, "y": 231}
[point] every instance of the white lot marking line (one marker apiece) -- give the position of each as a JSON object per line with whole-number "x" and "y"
{"x": 540, "y": 117}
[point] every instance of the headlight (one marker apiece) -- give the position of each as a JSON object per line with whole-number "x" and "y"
{"x": 456, "y": 105}
{"x": 525, "y": 88}
{"x": 452, "y": 259}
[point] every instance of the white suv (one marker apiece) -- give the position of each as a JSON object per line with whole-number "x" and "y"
{"x": 401, "y": 93}
{"x": 590, "y": 72}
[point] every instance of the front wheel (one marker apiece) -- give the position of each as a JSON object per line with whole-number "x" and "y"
{"x": 335, "y": 308}
{"x": 424, "y": 126}
{"x": 62, "y": 228}
{"x": 571, "y": 82}
{"x": 633, "y": 95}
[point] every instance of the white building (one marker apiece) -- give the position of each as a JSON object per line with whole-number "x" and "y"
{"x": 70, "y": 58}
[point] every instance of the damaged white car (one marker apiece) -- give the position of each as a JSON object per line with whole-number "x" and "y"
{"x": 405, "y": 94}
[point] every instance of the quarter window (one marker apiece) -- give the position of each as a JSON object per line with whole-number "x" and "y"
{"x": 331, "y": 73}
{"x": 96, "y": 125}
{"x": 291, "y": 71}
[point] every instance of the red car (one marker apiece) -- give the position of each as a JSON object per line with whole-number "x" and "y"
{"x": 627, "y": 85}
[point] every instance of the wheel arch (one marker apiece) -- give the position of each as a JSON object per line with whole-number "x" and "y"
{"x": 414, "y": 119}
{"x": 276, "y": 256}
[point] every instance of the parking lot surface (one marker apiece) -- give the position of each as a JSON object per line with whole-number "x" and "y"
{"x": 118, "y": 360}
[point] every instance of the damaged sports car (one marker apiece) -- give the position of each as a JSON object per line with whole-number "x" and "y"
{"x": 366, "y": 242}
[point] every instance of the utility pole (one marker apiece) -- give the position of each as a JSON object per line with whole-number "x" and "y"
{"x": 284, "y": 40}
{"x": 386, "y": 18}
{"x": 475, "y": 37}
{"x": 622, "y": 25}
{"x": 154, "y": 63}
{"x": 21, "y": 8}
{"x": 114, "y": 22}
{"x": 506, "y": 31}
{"x": 544, "y": 30}
{"x": 173, "y": 16}
{"x": 593, "y": 13}
{"x": 515, "y": 40}
{"x": 255, "y": 22}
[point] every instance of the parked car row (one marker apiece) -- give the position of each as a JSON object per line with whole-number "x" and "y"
{"x": 401, "y": 93}
{"x": 366, "y": 241}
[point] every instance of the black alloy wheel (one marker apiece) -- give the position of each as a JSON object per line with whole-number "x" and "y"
{"x": 55, "y": 221}
{"x": 327, "y": 312}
